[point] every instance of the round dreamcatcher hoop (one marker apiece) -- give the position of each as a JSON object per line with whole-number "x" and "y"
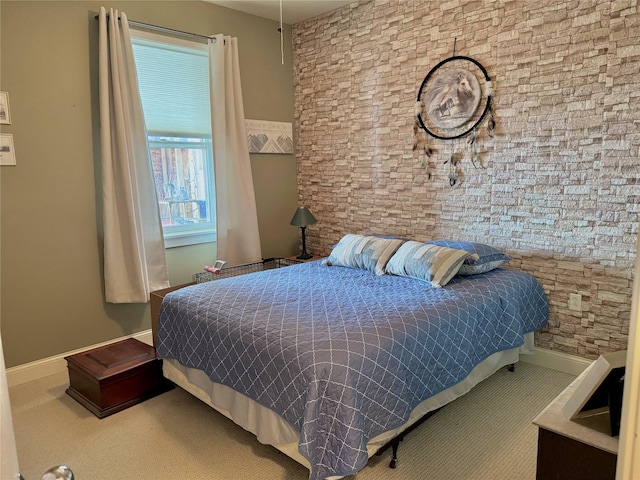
{"x": 454, "y": 98}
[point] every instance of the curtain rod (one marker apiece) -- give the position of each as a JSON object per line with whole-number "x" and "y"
{"x": 158, "y": 28}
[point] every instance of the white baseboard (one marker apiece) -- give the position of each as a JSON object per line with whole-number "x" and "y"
{"x": 560, "y": 361}
{"x": 56, "y": 364}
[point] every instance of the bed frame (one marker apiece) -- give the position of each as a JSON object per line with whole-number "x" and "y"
{"x": 377, "y": 445}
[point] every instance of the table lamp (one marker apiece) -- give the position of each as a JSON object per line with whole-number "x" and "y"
{"x": 302, "y": 218}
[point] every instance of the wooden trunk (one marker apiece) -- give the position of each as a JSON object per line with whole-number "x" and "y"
{"x": 109, "y": 379}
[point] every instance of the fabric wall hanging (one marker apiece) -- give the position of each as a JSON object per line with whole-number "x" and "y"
{"x": 453, "y": 101}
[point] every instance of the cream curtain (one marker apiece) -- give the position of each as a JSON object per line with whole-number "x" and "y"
{"x": 134, "y": 256}
{"x": 238, "y": 238}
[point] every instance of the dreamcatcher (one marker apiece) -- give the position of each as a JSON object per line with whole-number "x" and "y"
{"x": 453, "y": 101}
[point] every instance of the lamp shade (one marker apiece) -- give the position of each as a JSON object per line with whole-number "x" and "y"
{"x": 303, "y": 217}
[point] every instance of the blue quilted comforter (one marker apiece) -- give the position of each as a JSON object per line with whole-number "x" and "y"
{"x": 343, "y": 354}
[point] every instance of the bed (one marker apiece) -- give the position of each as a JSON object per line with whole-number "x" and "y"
{"x": 328, "y": 363}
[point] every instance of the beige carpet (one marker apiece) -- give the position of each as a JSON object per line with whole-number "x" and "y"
{"x": 487, "y": 434}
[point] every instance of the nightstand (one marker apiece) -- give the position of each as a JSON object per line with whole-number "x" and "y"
{"x": 108, "y": 379}
{"x": 293, "y": 260}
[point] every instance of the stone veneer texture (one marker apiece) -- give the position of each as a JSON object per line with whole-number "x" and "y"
{"x": 559, "y": 191}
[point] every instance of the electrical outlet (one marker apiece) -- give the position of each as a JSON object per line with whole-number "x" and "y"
{"x": 575, "y": 302}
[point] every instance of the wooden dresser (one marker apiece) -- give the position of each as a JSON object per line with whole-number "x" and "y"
{"x": 577, "y": 448}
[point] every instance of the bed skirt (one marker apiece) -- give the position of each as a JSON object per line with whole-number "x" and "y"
{"x": 271, "y": 429}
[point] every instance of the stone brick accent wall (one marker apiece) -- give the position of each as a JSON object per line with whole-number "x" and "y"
{"x": 560, "y": 189}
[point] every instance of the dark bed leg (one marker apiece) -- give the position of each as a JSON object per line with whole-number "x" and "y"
{"x": 511, "y": 367}
{"x": 394, "y": 453}
{"x": 394, "y": 443}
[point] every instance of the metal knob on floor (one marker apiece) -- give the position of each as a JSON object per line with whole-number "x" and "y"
{"x": 61, "y": 472}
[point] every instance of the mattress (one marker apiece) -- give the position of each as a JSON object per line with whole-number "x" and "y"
{"x": 344, "y": 355}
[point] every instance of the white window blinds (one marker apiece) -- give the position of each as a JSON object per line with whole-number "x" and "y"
{"x": 174, "y": 85}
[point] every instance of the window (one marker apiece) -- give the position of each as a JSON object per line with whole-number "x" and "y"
{"x": 181, "y": 175}
{"x": 173, "y": 77}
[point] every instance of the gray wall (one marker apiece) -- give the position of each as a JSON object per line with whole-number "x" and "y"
{"x": 51, "y": 286}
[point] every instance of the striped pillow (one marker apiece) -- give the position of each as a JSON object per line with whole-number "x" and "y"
{"x": 487, "y": 257}
{"x": 365, "y": 252}
{"x": 431, "y": 263}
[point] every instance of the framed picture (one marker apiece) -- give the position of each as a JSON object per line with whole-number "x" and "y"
{"x": 5, "y": 115}
{"x": 7, "y": 152}
{"x": 454, "y": 98}
{"x": 269, "y": 137}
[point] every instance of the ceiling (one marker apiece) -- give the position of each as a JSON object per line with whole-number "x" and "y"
{"x": 293, "y": 11}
